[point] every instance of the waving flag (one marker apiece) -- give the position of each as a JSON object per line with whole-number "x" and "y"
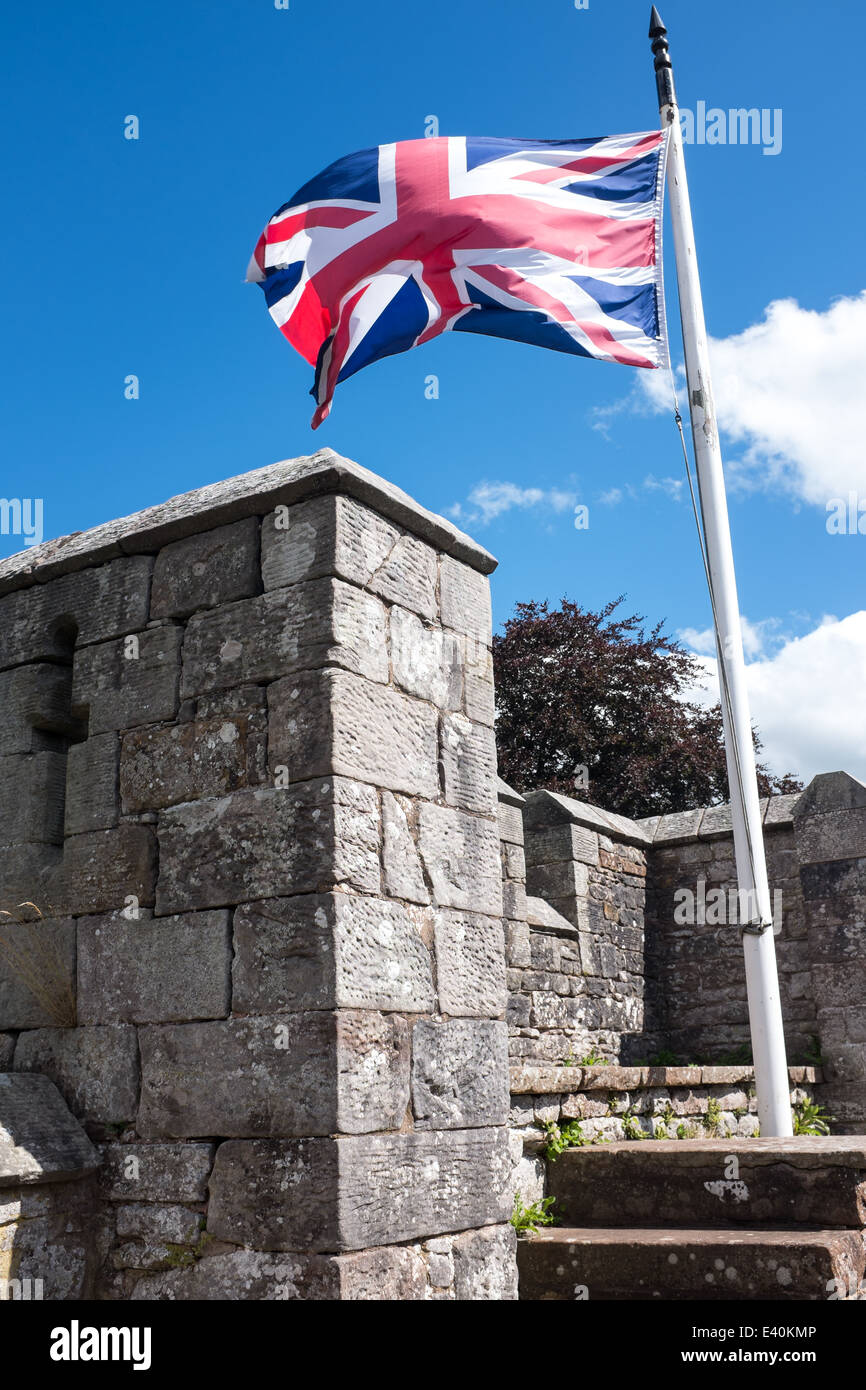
{"x": 553, "y": 242}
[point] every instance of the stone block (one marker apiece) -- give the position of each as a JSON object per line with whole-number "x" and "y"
{"x": 238, "y": 699}
{"x": 321, "y": 951}
{"x": 26, "y": 874}
{"x": 401, "y": 863}
{"x": 154, "y": 1221}
{"x": 838, "y": 986}
{"x": 162, "y": 970}
{"x": 459, "y": 1074}
{"x": 206, "y": 569}
{"x": 302, "y": 1074}
{"x": 836, "y": 889}
{"x": 40, "y": 1141}
{"x": 302, "y": 627}
{"x": 517, "y": 944}
{"x": 95, "y": 1069}
{"x": 128, "y": 682}
{"x": 43, "y": 622}
{"x": 465, "y": 600}
{"x": 332, "y": 721}
{"x": 37, "y": 973}
{"x": 32, "y": 791}
{"x": 155, "y": 1172}
{"x": 485, "y": 1265}
{"x": 461, "y": 856}
{"x": 337, "y": 535}
{"x": 36, "y": 704}
{"x": 510, "y": 823}
{"x": 91, "y": 784}
{"x": 470, "y": 963}
{"x": 393, "y": 1274}
{"x": 372, "y": 1061}
{"x": 297, "y": 839}
{"x": 553, "y": 844}
{"x": 103, "y": 868}
{"x": 551, "y": 882}
{"x": 244, "y": 1275}
{"x": 276, "y": 1194}
{"x": 514, "y": 901}
{"x": 426, "y": 661}
{"x": 833, "y": 835}
{"x": 400, "y": 1187}
{"x": 353, "y": 1193}
{"x": 186, "y": 762}
{"x": 468, "y": 760}
{"x": 479, "y": 700}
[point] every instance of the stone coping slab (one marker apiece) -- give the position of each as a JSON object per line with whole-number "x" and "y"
{"x": 592, "y": 817}
{"x": 248, "y": 494}
{"x": 547, "y": 1080}
{"x": 40, "y": 1139}
{"x": 540, "y": 914}
{"x": 508, "y": 794}
{"x": 713, "y": 822}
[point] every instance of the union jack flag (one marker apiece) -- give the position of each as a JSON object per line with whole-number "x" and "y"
{"x": 553, "y": 242}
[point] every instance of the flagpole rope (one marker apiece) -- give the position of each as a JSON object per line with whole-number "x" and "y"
{"x": 723, "y": 678}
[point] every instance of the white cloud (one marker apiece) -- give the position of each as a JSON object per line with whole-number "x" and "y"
{"x": 756, "y": 637}
{"x": 806, "y": 696}
{"x": 611, "y": 497}
{"x": 489, "y": 500}
{"x": 671, "y": 486}
{"x": 789, "y": 389}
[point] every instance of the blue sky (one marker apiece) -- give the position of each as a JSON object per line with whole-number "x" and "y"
{"x": 129, "y": 257}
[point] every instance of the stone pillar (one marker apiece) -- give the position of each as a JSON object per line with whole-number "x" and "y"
{"x": 830, "y": 830}
{"x": 281, "y": 865}
{"x": 590, "y": 866}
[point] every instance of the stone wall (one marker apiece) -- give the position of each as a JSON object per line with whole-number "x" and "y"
{"x": 576, "y": 968}
{"x": 695, "y": 975}
{"x": 602, "y": 962}
{"x": 830, "y": 835}
{"x": 249, "y": 779}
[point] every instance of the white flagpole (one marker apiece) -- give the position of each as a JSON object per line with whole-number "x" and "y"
{"x": 762, "y": 981}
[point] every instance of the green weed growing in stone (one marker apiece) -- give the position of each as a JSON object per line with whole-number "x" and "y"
{"x": 593, "y": 1059}
{"x": 713, "y": 1119}
{"x": 527, "y": 1219}
{"x": 811, "y": 1118}
{"x": 813, "y": 1053}
{"x": 632, "y": 1127}
{"x": 562, "y": 1137}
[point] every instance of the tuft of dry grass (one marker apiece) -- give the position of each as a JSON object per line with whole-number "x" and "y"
{"x": 32, "y": 955}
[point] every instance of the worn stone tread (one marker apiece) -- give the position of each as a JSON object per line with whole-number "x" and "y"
{"x": 571, "y": 1263}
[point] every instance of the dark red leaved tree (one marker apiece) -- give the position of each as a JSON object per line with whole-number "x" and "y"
{"x": 591, "y": 705}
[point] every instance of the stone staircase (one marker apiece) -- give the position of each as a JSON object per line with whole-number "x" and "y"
{"x": 750, "y": 1219}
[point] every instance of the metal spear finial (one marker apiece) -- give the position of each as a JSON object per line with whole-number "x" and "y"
{"x": 664, "y": 71}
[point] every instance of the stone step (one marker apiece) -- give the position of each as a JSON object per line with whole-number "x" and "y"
{"x": 575, "y": 1264}
{"x": 804, "y": 1181}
